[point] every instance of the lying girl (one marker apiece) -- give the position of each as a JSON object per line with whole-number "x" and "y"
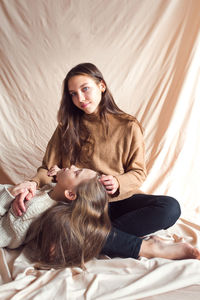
{"x": 83, "y": 212}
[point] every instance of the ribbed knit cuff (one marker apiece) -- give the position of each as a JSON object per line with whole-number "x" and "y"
{"x": 5, "y": 199}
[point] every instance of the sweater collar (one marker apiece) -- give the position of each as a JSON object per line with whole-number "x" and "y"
{"x": 95, "y": 116}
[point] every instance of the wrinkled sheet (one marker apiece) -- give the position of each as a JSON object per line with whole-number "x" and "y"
{"x": 104, "y": 278}
{"x": 149, "y": 53}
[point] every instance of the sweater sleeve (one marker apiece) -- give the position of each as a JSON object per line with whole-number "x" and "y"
{"x": 13, "y": 229}
{"x": 52, "y": 157}
{"x": 5, "y": 199}
{"x": 134, "y": 162}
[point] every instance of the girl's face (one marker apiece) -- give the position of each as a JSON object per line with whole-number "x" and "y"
{"x": 69, "y": 178}
{"x": 85, "y": 92}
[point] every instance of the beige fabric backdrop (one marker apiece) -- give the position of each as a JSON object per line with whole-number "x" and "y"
{"x": 149, "y": 52}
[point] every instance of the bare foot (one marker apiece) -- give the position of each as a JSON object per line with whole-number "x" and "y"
{"x": 156, "y": 247}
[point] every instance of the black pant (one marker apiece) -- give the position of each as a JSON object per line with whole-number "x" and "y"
{"x": 135, "y": 217}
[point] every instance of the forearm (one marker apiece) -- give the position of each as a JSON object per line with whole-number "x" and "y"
{"x": 41, "y": 178}
{"x": 52, "y": 157}
{"x": 134, "y": 164}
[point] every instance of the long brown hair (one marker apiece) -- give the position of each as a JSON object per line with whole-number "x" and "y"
{"x": 69, "y": 234}
{"x": 74, "y": 133}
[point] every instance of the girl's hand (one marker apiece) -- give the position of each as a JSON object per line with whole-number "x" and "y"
{"x": 22, "y": 192}
{"x": 110, "y": 182}
{"x": 53, "y": 170}
{"x": 16, "y": 190}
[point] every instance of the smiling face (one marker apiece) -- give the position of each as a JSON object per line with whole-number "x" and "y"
{"x": 85, "y": 92}
{"x": 72, "y": 177}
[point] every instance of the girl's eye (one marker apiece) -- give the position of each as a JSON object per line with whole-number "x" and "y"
{"x": 78, "y": 172}
{"x": 85, "y": 89}
{"x": 72, "y": 94}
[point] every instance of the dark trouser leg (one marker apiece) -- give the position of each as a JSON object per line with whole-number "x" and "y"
{"x": 143, "y": 214}
{"x": 122, "y": 244}
{"x": 135, "y": 217}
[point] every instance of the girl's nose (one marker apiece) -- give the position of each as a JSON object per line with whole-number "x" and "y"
{"x": 73, "y": 167}
{"x": 81, "y": 97}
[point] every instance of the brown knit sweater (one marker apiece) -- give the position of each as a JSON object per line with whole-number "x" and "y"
{"x": 120, "y": 153}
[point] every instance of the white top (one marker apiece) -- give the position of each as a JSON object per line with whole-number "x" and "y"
{"x": 13, "y": 228}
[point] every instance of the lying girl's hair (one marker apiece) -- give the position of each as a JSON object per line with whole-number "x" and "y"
{"x": 70, "y": 234}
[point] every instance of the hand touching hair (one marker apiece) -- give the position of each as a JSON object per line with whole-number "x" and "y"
{"x": 70, "y": 234}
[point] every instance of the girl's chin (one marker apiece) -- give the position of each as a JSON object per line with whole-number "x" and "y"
{"x": 90, "y": 110}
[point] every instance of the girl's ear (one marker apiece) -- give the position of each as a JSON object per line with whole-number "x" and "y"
{"x": 102, "y": 86}
{"x": 70, "y": 195}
